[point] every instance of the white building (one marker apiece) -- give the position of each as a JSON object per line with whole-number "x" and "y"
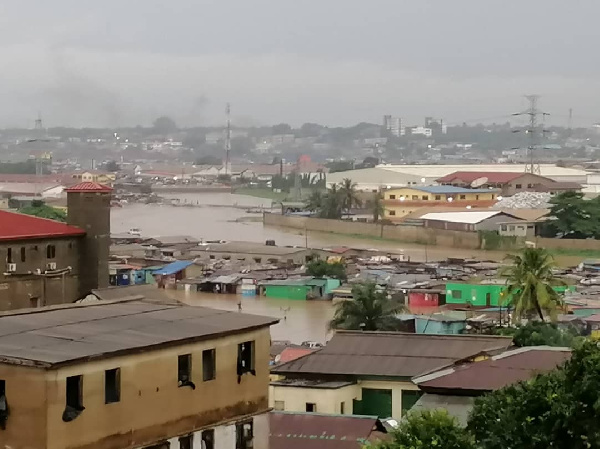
{"x": 394, "y": 125}
{"x": 421, "y": 130}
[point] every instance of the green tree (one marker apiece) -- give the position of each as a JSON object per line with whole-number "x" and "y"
{"x": 208, "y": 159}
{"x": 349, "y": 195}
{"x": 282, "y": 128}
{"x": 320, "y": 268}
{"x": 530, "y": 281}
{"x": 572, "y": 216}
{"x": 538, "y": 333}
{"x": 315, "y": 201}
{"x": 112, "y": 166}
{"x": 332, "y": 204}
{"x": 559, "y": 409}
{"x": 370, "y": 309}
{"x": 428, "y": 430}
{"x": 376, "y": 206}
{"x": 39, "y": 209}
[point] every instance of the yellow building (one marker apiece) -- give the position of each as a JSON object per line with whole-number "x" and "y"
{"x": 370, "y": 373}
{"x": 133, "y": 374}
{"x": 96, "y": 176}
{"x": 401, "y": 202}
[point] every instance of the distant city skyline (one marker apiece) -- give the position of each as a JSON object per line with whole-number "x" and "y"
{"x": 333, "y": 62}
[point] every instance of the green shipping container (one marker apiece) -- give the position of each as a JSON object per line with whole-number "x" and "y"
{"x": 484, "y": 295}
{"x": 287, "y": 291}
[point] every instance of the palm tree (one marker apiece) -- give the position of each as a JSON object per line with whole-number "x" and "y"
{"x": 530, "y": 283}
{"x": 315, "y": 201}
{"x": 376, "y": 206}
{"x": 332, "y": 204}
{"x": 349, "y": 195}
{"x": 370, "y": 310}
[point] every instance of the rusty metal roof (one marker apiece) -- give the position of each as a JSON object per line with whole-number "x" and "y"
{"x": 390, "y": 354}
{"x": 496, "y": 372}
{"x": 312, "y": 430}
{"x": 62, "y": 335}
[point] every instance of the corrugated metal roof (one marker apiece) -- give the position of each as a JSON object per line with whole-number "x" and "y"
{"x": 15, "y": 226}
{"x": 173, "y": 267}
{"x": 65, "y": 334}
{"x": 470, "y": 217}
{"x": 497, "y": 372}
{"x": 492, "y": 176}
{"x": 312, "y": 430}
{"x": 450, "y": 189}
{"x": 390, "y": 354}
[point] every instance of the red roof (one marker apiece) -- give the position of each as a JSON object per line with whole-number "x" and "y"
{"x": 89, "y": 187}
{"x": 470, "y": 176}
{"x": 497, "y": 372}
{"x": 15, "y": 226}
{"x": 289, "y": 354}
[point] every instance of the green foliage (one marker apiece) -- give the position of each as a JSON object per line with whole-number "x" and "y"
{"x": 492, "y": 240}
{"x": 21, "y": 168}
{"x": 376, "y": 206}
{"x": 428, "y": 430}
{"x": 349, "y": 195}
{"x": 39, "y": 209}
{"x": 539, "y": 333}
{"x": 321, "y": 268}
{"x": 369, "y": 307}
{"x": 164, "y": 125}
{"x": 209, "y": 160}
{"x": 530, "y": 281}
{"x": 572, "y": 216}
{"x": 112, "y": 166}
{"x": 315, "y": 201}
{"x": 559, "y": 409}
{"x": 282, "y": 128}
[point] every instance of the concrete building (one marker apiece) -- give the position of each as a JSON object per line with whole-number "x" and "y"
{"x": 421, "y": 131}
{"x": 472, "y": 220}
{"x": 45, "y": 262}
{"x": 401, "y": 202}
{"x": 394, "y": 125}
{"x": 369, "y": 373}
{"x": 508, "y": 183}
{"x": 372, "y": 179}
{"x": 134, "y": 374}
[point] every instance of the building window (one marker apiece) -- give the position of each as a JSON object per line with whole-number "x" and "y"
{"x": 438, "y": 197}
{"x": 392, "y": 212}
{"x": 74, "y": 396}
{"x": 3, "y": 405}
{"x": 456, "y": 294}
{"x": 244, "y": 435}
{"x": 476, "y": 197}
{"x": 342, "y": 408}
{"x": 415, "y": 197}
{"x": 279, "y": 405}
{"x": 529, "y": 186}
{"x": 112, "y": 385}
{"x": 9, "y": 258}
{"x": 493, "y": 196}
{"x": 209, "y": 368}
{"x": 50, "y": 252}
{"x": 184, "y": 371}
{"x": 392, "y": 197}
{"x": 503, "y": 227}
{"x": 211, "y": 257}
{"x": 186, "y": 442}
{"x": 518, "y": 186}
{"x": 245, "y": 359}
{"x": 257, "y": 260}
{"x": 311, "y": 407}
{"x": 463, "y": 197}
{"x": 425, "y": 198}
{"x": 208, "y": 439}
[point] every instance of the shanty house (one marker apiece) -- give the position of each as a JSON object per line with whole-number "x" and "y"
{"x": 167, "y": 276}
{"x": 369, "y": 373}
{"x": 300, "y": 288}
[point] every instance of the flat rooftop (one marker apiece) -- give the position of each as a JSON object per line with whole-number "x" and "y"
{"x": 63, "y": 335}
{"x": 248, "y": 248}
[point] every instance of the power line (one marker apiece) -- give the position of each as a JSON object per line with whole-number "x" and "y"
{"x": 534, "y": 131}
{"x": 228, "y": 138}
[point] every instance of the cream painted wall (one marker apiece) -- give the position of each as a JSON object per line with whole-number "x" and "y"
{"x": 328, "y": 400}
{"x": 152, "y": 406}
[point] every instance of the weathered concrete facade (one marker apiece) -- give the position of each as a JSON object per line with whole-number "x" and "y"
{"x": 152, "y": 408}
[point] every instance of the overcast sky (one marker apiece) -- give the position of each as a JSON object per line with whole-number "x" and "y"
{"x": 336, "y": 62}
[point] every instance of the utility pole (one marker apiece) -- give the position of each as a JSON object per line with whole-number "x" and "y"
{"x": 570, "y": 124}
{"x": 228, "y": 138}
{"x": 534, "y": 132}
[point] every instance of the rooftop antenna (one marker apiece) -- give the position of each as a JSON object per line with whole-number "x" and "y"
{"x": 534, "y": 132}
{"x": 228, "y": 138}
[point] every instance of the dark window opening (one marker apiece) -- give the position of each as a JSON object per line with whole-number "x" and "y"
{"x": 342, "y": 408}
{"x": 476, "y": 197}
{"x": 257, "y": 260}
{"x": 186, "y": 442}
{"x": 74, "y": 396}
{"x": 50, "y": 252}
{"x": 392, "y": 212}
{"x": 311, "y": 407}
{"x": 208, "y": 439}
{"x": 184, "y": 371}
{"x": 456, "y": 294}
{"x": 244, "y": 435}
{"x": 392, "y": 197}
{"x": 211, "y": 257}
{"x": 162, "y": 445}
{"x": 209, "y": 364}
{"x": 518, "y": 186}
{"x": 463, "y": 197}
{"x": 425, "y": 197}
{"x": 3, "y": 405}
{"x": 112, "y": 385}
{"x": 438, "y": 197}
{"x": 9, "y": 258}
{"x": 23, "y": 254}
{"x": 245, "y": 359}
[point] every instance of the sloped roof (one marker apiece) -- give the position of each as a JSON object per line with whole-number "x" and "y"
{"x": 89, "y": 187}
{"x": 312, "y": 430}
{"x": 492, "y": 176}
{"x": 391, "y": 354}
{"x": 447, "y": 189}
{"x": 65, "y": 334}
{"x": 174, "y": 267}
{"x": 469, "y": 217}
{"x": 15, "y": 226}
{"x": 497, "y": 372}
